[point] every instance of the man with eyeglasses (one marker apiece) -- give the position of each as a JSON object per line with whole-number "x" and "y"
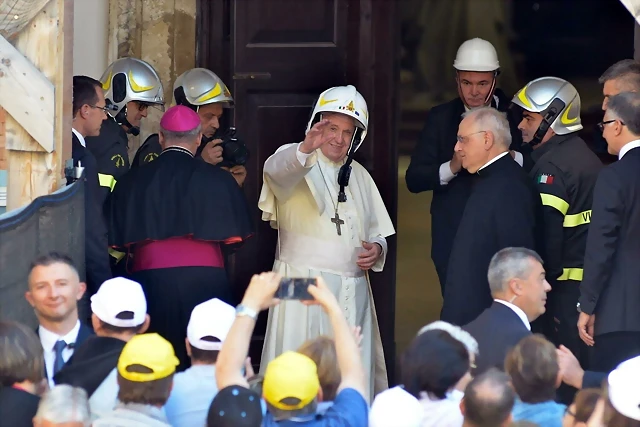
{"x": 89, "y": 111}
{"x": 503, "y": 210}
{"x": 609, "y": 318}
{"x": 565, "y": 171}
{"x": 435, "y": 166}
{"x": 130, "y": 87}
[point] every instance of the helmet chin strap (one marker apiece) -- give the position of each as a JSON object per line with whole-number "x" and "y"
{"x": 487, "y": 100}
{"x": 345, "y": 170}
{"x": 121, "y": 118}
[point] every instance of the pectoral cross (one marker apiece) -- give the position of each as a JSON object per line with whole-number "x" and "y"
{"x": 338, "y": 222}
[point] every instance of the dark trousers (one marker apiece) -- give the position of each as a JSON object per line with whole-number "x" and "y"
{"x": 561, "y": 328}
{"x": 171, "y": 295}
{"x": 614, "y": 348}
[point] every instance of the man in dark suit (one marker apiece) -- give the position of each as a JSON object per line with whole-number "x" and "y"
{"x": 89, "y": 111}
{"x": 54, "y": 290}
{"x": 610, "y": 291}
{"x": 503, "y": 210}
{"x": 519, "y": 290}
{"x": 434, "y": 165}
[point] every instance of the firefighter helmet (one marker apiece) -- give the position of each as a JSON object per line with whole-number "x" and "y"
{"x": 131, "y": 79}
{"x": 200, "y": 86}
{"x": 556, "y": 99}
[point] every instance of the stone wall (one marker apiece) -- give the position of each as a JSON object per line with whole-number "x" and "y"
{"x": 161, "y": 32}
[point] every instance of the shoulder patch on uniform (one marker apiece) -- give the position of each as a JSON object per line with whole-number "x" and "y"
{"x": 118, "y": 160}
{"x": 150, "y": 157}
{"x": 544, "y": 178}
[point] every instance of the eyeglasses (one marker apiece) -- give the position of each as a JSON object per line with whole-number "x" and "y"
{"x": 142, "y": 106}
{"x": 105, "y": 109}
{"x": 463, "y": 139}
{"x": 601, "y": 125}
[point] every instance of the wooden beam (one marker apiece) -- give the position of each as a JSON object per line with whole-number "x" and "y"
{"x": 48, "y": 43}
{"x": 26, "y": 94}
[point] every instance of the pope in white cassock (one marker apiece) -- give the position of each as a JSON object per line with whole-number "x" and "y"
{"x": 322, "y": 232}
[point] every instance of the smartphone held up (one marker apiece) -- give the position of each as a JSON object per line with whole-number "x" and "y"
{"x": 295, "y": 288}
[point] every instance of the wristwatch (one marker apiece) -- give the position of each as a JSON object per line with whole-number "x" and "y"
{"x": 243, "y": 310}
{"x": 578, "y": 307}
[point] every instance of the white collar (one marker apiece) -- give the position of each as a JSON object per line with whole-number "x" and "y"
{"x": 516, "y": 310}
{"x": 498, "y": 157}
{"x": 80, "y": 137}
{"x": 49, "y": 339}
{"x": 628, "y": 147}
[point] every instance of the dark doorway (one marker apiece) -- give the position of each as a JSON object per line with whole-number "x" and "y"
{"x": 276, "y": 56}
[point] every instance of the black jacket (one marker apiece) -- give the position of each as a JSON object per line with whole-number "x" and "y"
{"x": 503, "y": 210}
{"x": 435, "y": 147}
{"x": 17, "y": 407}
{"x": 91, "y": 363}
{"x": 110, "y": 149}
{"x": 565, "y": 173}
{"x": 498, "y": 329}
{"x": 610, "y": 288}
{"x": 95, "y": 237}
{"x": 148, "y": 151}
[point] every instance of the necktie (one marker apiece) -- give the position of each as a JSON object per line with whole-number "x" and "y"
{"x": 58, "y": 362}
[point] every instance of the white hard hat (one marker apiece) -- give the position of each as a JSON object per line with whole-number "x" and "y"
{"x": 476, "y": 55}
{"x": 344, "y": 100}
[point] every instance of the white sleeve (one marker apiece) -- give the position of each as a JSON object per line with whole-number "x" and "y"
{"x": 302, "y": 157}
{"x": 379, "y": 265}
{"x": 445, "y": 173}
{"x": 519, "y": 158}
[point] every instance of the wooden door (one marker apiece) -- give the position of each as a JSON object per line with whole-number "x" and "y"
{"x": 276, "y": 56}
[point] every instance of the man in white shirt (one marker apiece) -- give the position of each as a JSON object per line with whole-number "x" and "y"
{"x": 54, "y": 292}
{"x": 519, "y": 290}
{"x": 194, "y": 389}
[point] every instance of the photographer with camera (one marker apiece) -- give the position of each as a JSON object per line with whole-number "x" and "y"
{"x": 206, "y": 94}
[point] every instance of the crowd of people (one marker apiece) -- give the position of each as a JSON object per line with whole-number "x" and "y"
{"x": 534, "y": 241}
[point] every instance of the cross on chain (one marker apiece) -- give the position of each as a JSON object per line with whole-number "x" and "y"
{"x": 338, "y": 222}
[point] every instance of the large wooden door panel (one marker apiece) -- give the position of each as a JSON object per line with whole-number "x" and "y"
{"x": 292, "y": 40}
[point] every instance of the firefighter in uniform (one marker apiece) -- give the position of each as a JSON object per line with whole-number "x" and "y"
{"x": 205, "y": 93}
{"x": 130, "y": 86}
{"x": 565, "y": 170}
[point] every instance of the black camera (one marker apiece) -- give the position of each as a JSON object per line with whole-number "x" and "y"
{"x": 234, "y": 151}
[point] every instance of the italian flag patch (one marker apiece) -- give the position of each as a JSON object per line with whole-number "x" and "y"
{"x": 545, "y": 179}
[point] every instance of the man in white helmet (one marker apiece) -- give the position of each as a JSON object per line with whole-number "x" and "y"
{"x": 204, "y": 92}
{"x": 328, "y": 225}
{"x": 434, "y": 165}
{"x": 565, "y": 171}
{"x": 130, "y": 87}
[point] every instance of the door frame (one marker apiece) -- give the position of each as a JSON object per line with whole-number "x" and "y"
{"x": 373, "y": 67}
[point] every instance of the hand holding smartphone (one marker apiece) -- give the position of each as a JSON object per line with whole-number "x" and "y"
{"x": 295, "y": 288}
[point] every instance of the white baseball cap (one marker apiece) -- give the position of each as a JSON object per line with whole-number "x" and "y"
{"x": 118, "y": 295}
{"x": 211, "y": 318}
{"x": 623, "y": 388}
{"x": 395, "y": 408}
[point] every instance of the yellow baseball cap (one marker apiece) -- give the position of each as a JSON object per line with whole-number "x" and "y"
{"x": 290, "y": 375}
{"x": 151, "y": 351}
